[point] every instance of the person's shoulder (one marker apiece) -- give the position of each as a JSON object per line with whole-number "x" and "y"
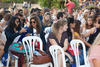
{"x": 7, "y": 29}
{"x": 76, "y": 34}
{"x": 51, "y": 35}
{"x": 65, "y": 33}
{"x": 96, "y": 47}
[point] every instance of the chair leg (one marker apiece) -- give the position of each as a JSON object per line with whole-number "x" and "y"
{"x": 51, "y": 65}
{"x": 16, "y": 63}
{"x": 8, "y": 60}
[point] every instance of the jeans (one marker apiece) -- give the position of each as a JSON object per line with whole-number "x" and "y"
{"x": 81, "y": 57}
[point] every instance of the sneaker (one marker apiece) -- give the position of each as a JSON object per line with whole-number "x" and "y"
{"x": 1, "y": 65}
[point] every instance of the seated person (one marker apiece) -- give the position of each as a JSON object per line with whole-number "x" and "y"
{"x": 12, "y": 31}
{"x": 58, "y": 36}
{"x": 94, "y": 59}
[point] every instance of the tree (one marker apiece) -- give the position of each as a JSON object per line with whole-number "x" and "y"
{"x": 54, "y": 3}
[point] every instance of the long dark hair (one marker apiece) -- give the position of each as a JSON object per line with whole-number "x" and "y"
{"x": 12, "y": 24}
{"x": 77, "y": 26}
{"x": 88, "y": 27}
{"x": 70, "y": 21}
{"x": 37, "y": 20}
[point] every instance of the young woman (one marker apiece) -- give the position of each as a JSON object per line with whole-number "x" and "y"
{"x": 94, "y": 59}
{"x": 93, "y": 32}
{"x": 86, "y": 27}
{"x": 75, "y": 31}
{"x": 35, "y": 27}
{"x": 12, "y": 31}
{"x": 71, "y": 25}
{"x": 47, "y": 22}
{"x": 58, "y": 36}
{"x": 36, "y": 30}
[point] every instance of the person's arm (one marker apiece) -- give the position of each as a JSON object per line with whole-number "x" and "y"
{"x": 83, "y": 28}
{"x": 65, "y": 45}
{"x": 11, "y": 35}
{"x": 66, "y": 4}
{"x": 68, "y": 55}
{"x": 1, "y": 29}
{"x": 86, "y": 43}
{"x": 96, "y": 63}
{"x": 89, "y": 33}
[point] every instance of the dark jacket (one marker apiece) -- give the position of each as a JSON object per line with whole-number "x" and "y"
{"x": 10, "y": 36}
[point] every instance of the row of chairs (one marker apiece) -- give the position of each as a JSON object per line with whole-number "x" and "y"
{"x": 30, "y": 40}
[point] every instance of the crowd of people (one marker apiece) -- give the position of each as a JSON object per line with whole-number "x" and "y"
{"x": 63, "y": 26}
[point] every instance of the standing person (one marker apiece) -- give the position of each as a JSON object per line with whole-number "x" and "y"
{"x": 70, "y": 6}
{"x": 14, "y": 5}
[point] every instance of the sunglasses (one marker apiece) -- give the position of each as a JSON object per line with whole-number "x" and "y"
{"x": 33, "y": 22}
{"x": 17, "y": 21}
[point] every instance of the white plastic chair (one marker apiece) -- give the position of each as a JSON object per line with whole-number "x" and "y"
{"x": 53, "y": 50}
{"x": 47, "y": 29}
{"x": 11, "y": 55}
{"x": 75, "y": 46}
{"x": 46, "y": 36}
{"x": 30, "y": 41}
{"x": 16, "y": 60}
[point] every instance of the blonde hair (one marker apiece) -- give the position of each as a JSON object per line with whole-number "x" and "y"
{"x": 56, "y": 26}
{"x": 46, "y": 22}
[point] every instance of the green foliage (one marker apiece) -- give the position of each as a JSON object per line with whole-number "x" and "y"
{"x": 49, "y": 3}
{"x": 54, "y": 3}
{"x": 76, "y": 3}
{"x": 9, "y": 1}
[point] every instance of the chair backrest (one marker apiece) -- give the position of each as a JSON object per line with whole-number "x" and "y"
{"x": 53, "y": 50}
{"x": 47, "y": 30}
{"x": 30, "y": 43}
{"x": 75, "y": 46}
{"x": 46, "y": 36}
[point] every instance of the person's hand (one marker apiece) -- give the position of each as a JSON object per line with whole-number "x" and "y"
{"x": 93, "y": 30}
{"x": 28, "y": 34}
{"x": 23, "y": 30}
{"x": 65, "y": 4}
{"x": 71, "y": 59}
